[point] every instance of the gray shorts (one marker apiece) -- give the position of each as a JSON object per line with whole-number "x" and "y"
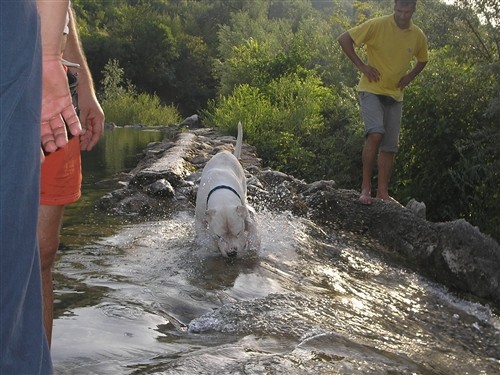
{"x": 382, "y": 118}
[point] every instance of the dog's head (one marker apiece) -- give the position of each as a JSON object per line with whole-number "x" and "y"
{"x": 227, "y": 224}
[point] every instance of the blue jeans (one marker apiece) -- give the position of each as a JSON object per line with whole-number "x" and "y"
{"x": 23, "y": 344}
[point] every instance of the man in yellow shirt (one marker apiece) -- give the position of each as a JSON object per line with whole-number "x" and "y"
{"x": 391, "y": 43}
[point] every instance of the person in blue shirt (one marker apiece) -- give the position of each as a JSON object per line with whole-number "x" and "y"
{"x": 31, "y": 114}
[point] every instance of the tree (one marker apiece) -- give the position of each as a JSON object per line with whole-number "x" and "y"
{"x": 449, "y": 152}
{"x": 482, "y": 19}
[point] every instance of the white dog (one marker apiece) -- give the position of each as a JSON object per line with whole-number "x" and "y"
{"x": 223, "y": 217}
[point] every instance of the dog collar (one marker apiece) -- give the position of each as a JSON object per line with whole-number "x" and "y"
{"x": 222, "y": 187}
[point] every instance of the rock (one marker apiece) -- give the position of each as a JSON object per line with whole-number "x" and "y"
{"x": 171, "y": 166}
{"x": 417, "y": 207}
{"x": 190, "y": 121}
{"x": 160, "y": 188}
{"x": 110, "y": 126}
{"x": 455, "y": 254}
{"x": 471, "y": 258}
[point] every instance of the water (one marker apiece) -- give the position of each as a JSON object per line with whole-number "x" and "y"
{"x": 141, "y": 298}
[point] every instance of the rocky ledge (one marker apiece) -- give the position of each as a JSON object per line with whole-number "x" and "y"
{"x": 454, "y": 253}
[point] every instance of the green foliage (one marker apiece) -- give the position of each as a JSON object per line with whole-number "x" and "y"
{"x": 449, "y": 144}
{"x": 481, "y": 19}
{"x": 477, "y": 177}
{"x": 122, "y": 105}
{"x": 112, "y": 82}
{"x": 140, "y": 34}
{"x": 192, "y": 90}
{"x": 248, "y": 48}
{"x": 286, "y": 122}
{"x": 339, "y": 143}
{"x": 144, "y": 109}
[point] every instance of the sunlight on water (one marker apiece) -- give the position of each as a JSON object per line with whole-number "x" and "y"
{"x": 279, "y": 233}
{"x": 147, "y": 300}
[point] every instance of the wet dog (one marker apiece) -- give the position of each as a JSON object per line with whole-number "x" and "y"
{"x": 223, "y": 218}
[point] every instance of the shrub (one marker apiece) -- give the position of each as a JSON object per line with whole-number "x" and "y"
{"x": 144, "y": 109}
{"x": 286, "y": 122}
{"x": 122, "y": 105}
{"x": 449, "y": 144}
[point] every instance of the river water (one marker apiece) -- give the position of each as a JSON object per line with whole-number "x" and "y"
{"x": 138, "y": 297}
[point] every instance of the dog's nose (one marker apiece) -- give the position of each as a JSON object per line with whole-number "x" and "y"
{"x": 232, "y": 254}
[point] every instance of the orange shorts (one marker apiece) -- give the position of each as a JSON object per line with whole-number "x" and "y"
{"x": 61, "y": 175}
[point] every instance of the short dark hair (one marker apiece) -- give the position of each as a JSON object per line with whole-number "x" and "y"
{"x": 406, "y": 1}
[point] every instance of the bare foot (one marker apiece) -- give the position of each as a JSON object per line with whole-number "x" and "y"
{"x": 365, "y": 198}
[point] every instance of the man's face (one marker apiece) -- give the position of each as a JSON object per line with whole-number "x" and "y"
{"x": 403, "y": 13}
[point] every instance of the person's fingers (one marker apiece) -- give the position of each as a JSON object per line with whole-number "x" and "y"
{"x": 47, "y": 137}
{"x": 372, "y": 74}
{"x": 72, "y": 120}
{"x": 59, "y": 131}
{"x": 53, "y": 134}
{"x": 88, "y": 140}
{"x": 84, "y": 141}
{"x": 97, "y": 131}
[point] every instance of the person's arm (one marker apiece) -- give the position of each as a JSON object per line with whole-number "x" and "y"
{"x": 56, "y": 98}
{"x": 91, "y": 113}
{"x": 410, "y": 76}
{"x": 52, "y": 20}
{"x": 347, "y": 45}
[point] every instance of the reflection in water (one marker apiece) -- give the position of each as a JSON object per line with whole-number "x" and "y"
{"x": 141, "y": 298}
{"x": 118, "y": 151}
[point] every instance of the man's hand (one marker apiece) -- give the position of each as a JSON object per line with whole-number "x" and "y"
{"x": 57, "y": 107}
{"x": 92, "y": 118}
{"x": 410, "y": 76}
{"x": 370, "y": 72}
{"x": 405, "y": 81}
{"x": 347, "y": 45}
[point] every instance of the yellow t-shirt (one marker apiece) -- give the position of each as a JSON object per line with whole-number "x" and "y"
{"x": 390, "y": 50}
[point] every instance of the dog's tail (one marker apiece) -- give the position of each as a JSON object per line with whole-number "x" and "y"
{"x": 239, "y": 141}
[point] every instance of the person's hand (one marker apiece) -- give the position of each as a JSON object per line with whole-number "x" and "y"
{"x": 92, "y": 118}
{"x": 57, "y": 107}
{"x": 405, "y": 81}
{"x": 370, "y": 72}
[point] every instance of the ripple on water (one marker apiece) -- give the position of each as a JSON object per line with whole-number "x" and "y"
{"x": 314, "y": 301}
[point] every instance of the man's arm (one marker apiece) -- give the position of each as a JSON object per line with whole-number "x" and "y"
{"x": 73, "y": 52}
{"x": 56, "y": 98}
{"x": 53, "y": 17}
{"x": 347, "y": 45}
{"x": 91, "y": 114}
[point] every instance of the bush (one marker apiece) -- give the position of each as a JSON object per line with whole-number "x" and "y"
{"x": 123, "y": 106}
{"x": 449, "y": 144}
{"x": 131, "y": 108}
{"x": 287, "y": 122}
